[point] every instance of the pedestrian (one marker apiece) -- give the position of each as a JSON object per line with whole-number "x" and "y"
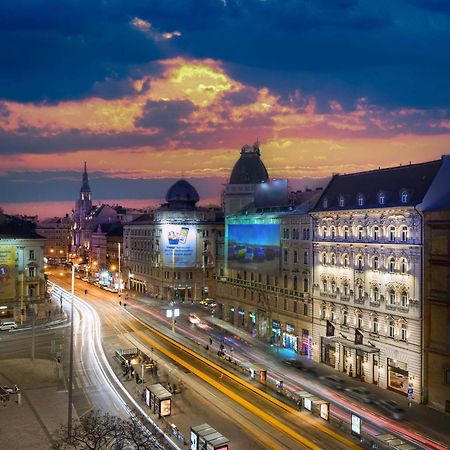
{"x": 85, "y": 292}
{"x": 210, "y": 341}
{"x": 120, "y": 302}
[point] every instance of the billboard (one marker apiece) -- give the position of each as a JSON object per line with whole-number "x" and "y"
{"x": 179, "y": 245}
{"x": 254, "y": 247}
{"x": 7, "y": 272}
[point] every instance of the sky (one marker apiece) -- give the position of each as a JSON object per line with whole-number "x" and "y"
{"x": 149, "y": 91}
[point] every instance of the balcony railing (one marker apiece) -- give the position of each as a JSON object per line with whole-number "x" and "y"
{"x": 360, "y": 300}
{"x": 391, "y": 307}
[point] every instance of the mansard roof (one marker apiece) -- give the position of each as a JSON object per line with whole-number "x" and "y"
{"x": 362, "y": 190}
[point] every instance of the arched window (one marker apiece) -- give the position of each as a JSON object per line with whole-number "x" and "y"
{"x": 360, "y": 292}
{"x": 295, "y": 256}
{"x": 333, "y": 259}
{"x": 392, "y": 233}
{"x": 404, "y": 197}
{"x": 346, "y": 232}
{"x": 305, "y": 285}
{"x": 404, "y": 299}
{"x": 346, "y": 289}
{"x": 375, "y": 325}
{"x": 404, "y": 332}
{"x": 376, "y": 263}
{"x": 345, "y": 317}
{"x": 294, "y": 280}
{"x": 376, "y": 232}
{"x": 359, "y": 262}
{"x": 345, "y": 260}
{"x": 285, "y": 281}
{"x": 375, "y": 295}
{"x": 332, "y": 311}
{"x": 333, "y": 287}
{"x": 324, "y": 258}
{"x": 404, "y": 265}
{"x": 325, "y": 286}
{"x": 404, "y": 235}
{"x": 381, "y": 198}
{"x": 360, "y": 233}
{"x": 359, "y": 321}
{"x": 333, "y": 232}
{"x": 391, "y": 329}
{"x": 323, "y": 312}
{"x": 391, "y": 265}
{"x": 391, "y": 295}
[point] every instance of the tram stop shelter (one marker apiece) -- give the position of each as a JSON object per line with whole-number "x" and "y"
{"x": 158, "y": 399}
{"x": 206, "y": 437}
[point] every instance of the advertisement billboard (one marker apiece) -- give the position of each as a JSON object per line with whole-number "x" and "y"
{"x": 356, "y": 425}
{"x": 7, "y": 273}
{"x": 179, "y": 245}
{"x": 254, "y": 247}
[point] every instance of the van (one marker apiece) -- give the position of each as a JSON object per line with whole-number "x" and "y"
{"x": 8, "y": 326}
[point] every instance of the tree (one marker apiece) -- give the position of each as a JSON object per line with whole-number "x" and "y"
{"x": 96, "y": 430}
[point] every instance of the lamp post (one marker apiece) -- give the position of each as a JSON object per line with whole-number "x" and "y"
{"x": 172, "y": 313}
{"x": 120, "y": 273}
{"x": 69, "y": 411}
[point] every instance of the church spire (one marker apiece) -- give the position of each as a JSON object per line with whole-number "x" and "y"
{"x": 85, "y": 186}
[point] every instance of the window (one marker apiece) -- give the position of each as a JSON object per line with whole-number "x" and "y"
{"x": 403, "y": 332}
{"x": 333, "y": 259}
{"x": 31, "y": 254}
{"x": 391, "y": 329}
{"x": 323, "y": 312}
{"x": 306, "y": 234}
{"x": 392, "y": 234}
{"x": 375, "y": 325}
{"x": 305, "y": 309}
{"x": 359, "y": 321}
{"x": 403, "y": 265}
{"x": 324, "y": 258}
{"x": 346, "y": 289}
{"x": 375, "y": 295}
{"x": 376, "y": 263}
{"x": 31, "y": 272}
{"x": 404, "y": 299}
{"x": 359, "y": 262}
{"x": 376, "y": 232}
{"x": 346, "y": 232}
{"x": 294, "y": 280}
{"x": 345, "y": 260}
{"x": 360, "y": 200}
{"x": 360, "y": 233}
{"x": 333, "y": 232}
{"x": 285, "y": 281}
{"x": 295, "y": 256}
{"x": 360, "y": 292}
{"x": 325, "y": 203}
{"x": 345, "y": 317}
{"x": 305, "y": 257}
{"x": 391, "y": 265}
{"x": 324, "y": 232}
{"x": 404, "y": 235}
{"x": 404, "y": 197}
{"x": 305, "y": 285}
{"x": 325, "y": 286}
{"x": 381, "y": 198}
{"x": 341, "y": 201}
{"x": 333, "y": 287}
{"x": 391, "y": 295}
{"x": 285, "y": 256}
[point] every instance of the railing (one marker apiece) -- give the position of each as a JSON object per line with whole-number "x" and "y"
{"x": 360, "y": 301}
{"x": 391, "y": 307}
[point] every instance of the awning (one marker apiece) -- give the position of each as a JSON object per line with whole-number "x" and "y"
{"x": 351, "y": 344}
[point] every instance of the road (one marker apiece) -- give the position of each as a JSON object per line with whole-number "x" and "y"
{"x": 263, "y": 418}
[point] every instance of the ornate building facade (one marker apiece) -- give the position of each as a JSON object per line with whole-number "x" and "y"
{"x": 171, "y": 252}
{"x": 368, "y": 276}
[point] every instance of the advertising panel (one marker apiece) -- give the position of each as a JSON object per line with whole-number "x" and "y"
{"x": 165, "y": 407}
{"x": 254, "y": 247}
{"x": 7, "y": 273}
{"x": 325, "y": 411}
{"x": 179, "y": 245}
{"x": 356, "y": 425}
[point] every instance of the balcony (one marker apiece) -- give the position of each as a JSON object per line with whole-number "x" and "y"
{"x": 404, "y": 309}
{"x": 391, "y": 307}
{"x": 360, "y": 300}
{"x": 345, "y": 298}
{"x": 375, "y": 303}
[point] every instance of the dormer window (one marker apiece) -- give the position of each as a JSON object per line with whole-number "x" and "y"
{"x": 381, "y": 198}
{"x": 341, "y": 201}
{"x": 360, "y": 200}
{"x": 404, "y": 197}
{"x": 325, "y": 203}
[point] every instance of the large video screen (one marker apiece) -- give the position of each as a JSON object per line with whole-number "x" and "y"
{"x": 179, "y": 245}
{"x": 254, "y": 247}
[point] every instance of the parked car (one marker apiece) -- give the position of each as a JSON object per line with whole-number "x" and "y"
{"x": 333, "y": 381}
{"x": 8, "y": 326}
{"x": 360, "y": 393}
{"x": 391, "y": 408}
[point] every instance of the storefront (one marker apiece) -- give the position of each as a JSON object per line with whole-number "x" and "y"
{"x": 241, "y": 317}
{"x": 328, "y": 352}
{"x": 398, "y": 376}
{"x": 251, "y": 323}
{"x": 305, "y": 348}
{"x": 290, "y": 340}
{"x": 276, "y": 333}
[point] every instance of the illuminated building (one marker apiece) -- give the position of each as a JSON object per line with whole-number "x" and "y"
{"x": 368, "y": 282}
{"x": 170, "y": 253}
{"x": 57, "y": 232}
{"x": 22, "y": 280}
{"x": 265, "y": 283}
{"x": 247, "y": 173}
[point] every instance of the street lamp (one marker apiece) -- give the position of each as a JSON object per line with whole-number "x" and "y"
{"x": 172, "y": 313}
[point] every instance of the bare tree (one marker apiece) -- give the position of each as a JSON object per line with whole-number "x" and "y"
{"x": 97, "y": 430}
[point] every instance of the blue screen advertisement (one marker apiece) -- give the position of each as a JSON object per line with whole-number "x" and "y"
{"x": 254, "y": 247}
{"x": 179, "y": 244}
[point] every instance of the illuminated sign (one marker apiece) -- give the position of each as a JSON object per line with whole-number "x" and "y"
{"x": 194, "y": 441}
{"x": 356, "y": 425}
{"x": 179, "y": 245}
{"x": 7, "y": 272}
{"x": 325, "y": 411}
{"x": 307, "y": 403}
{"x": 147, "y": 397}
{"x": 254, "y": 247}
{"x": 165, "y": 407}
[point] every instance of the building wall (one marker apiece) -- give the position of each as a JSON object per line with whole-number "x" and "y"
{"x": 57, "y": 240}
{"x": 363, "y": 276}
{"x": 437, "y": 309}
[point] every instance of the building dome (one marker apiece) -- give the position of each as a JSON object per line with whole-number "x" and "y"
{"x": 249, "y": 169}
{"x": 182, "y": 195}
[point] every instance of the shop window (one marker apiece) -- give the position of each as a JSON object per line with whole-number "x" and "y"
{"x": 391, "y": 329}
{"x": 346, "y": 232}
{"x": 403, "y": 332}
{"x": 375, "y": 325}
{"x": 392, "y": 234}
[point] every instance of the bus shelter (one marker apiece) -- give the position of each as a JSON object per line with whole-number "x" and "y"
{"x": 205, "y": 437}
{"x": 158, "y": 399}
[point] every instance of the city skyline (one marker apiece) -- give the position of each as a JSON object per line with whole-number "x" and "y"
{"x": 145, "y": 95}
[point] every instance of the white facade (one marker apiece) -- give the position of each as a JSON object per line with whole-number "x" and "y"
{"x": 368, "y": 277}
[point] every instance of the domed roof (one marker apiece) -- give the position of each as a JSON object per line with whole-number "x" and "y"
{"x": 249, "y": 169}
{"x": 182, "y": 194}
